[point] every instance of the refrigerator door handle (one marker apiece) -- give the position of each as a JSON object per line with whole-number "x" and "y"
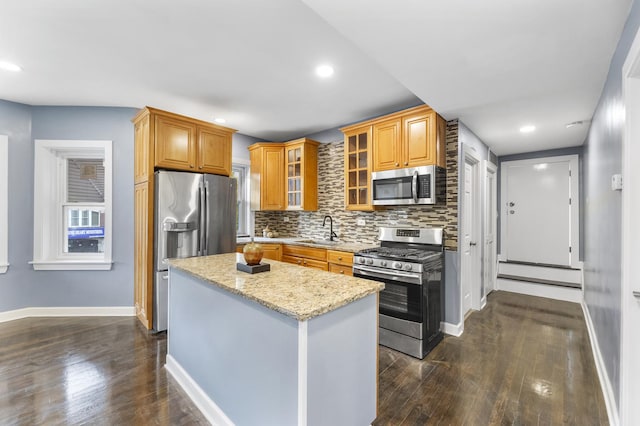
{"x": 207, "y": 218}
{"x": 202, "y": 237}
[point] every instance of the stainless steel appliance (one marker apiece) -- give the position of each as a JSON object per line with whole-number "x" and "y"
{"x": 409, "y": 262}
{"x": 417, "y": 185}
{"x": 195, "y": 215}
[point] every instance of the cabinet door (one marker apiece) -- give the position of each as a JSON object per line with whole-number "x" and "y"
{"x": 419, "y": 140}
{"x": 214, "y": 151}
{"x": 142, "y": 164}
{"x": 294, "y": 181}
{"x": 175, "y": 144}
{"x": 272, "y": 179}
{"x": 357, "y": 169}
{"x": 272, "y": 251}
{"x": 386, "y": 145}
{"x": 143, "y": 253}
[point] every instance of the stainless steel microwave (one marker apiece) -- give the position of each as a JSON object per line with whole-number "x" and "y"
{"x": 416, "y": 185}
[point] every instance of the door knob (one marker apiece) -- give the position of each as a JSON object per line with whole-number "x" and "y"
{"x": 512, "y": 211}
{"x": 511, "y": 204}
{"x": 636, "y": 294}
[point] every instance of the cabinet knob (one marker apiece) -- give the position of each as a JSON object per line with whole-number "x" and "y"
{"x": 397, "y": 164}
{"x": 339, "y": 257}
{"x": 305, "y": 262}
{"x": 406, "y": 163}
{"x": 200, "y": 167}
{"x": 191, "y": 165}
{"x": 341, "y": 271}
{"x": 299, "y": 262}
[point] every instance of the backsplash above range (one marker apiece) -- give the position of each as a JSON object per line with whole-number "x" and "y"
{"x": 331, "y": 202}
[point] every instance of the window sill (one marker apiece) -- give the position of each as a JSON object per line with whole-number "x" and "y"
{"x": 3, "y": 267}
{"x": 71, "y": 265}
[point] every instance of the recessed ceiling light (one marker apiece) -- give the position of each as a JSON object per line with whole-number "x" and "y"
{"x": 324, "y": 71}
{"x": 9, "y": 66}
{"x": 527, "y": 129}
{"x": 220, "y": 120}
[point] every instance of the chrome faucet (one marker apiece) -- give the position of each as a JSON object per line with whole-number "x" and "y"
{"x": 332, "y": 234}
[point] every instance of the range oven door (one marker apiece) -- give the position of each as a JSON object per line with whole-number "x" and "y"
{"x": 404, "y": 186}
{"x": 402, "y": 296}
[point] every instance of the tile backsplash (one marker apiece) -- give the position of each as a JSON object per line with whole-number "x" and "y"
{"x": 331, "y": 202}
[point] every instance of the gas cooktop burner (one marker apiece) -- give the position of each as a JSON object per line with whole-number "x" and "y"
{"x": 398, "y": 253}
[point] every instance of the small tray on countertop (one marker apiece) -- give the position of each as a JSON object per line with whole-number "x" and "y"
{"x": 253, "y": 269}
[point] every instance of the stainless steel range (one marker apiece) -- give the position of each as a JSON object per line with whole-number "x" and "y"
{"x": 409, "y": 262}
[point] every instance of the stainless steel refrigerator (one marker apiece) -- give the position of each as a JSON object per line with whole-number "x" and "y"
{"x": 195, "y": 215}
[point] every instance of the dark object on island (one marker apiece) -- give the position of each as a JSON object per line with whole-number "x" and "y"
{"x": 253, "y": 269}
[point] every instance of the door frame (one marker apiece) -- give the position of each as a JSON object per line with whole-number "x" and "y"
{"x": 574, "y": 162}
{"x": 630, "y": 245}
{"x": 490, "y": 214}
{"x": 472, "y": 158}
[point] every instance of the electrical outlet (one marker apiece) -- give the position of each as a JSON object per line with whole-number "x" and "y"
{"x": 286, "y": 218}
{"x": 360, "y": 222}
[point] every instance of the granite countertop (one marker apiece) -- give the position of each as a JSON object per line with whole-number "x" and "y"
{"x": 309, "y": 242}
{"x": 296, "y": 291}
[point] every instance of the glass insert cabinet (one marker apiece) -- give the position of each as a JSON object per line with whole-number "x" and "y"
{"x": 357, "y": 160}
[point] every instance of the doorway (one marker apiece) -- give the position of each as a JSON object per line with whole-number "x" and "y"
{"x": 540, "y": 224}
{"x": 630, "y": 289}
{"x": 470, "y": 279}
{"x": 490, "y": 226}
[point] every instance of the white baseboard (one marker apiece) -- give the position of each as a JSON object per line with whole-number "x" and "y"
{"x": 605, "y": 383}
{"x": 537, "y": 272}
{"x": 567, "y": 294}
{"x": 209, "y": 409}
{"x": 94, "y": 311}
{"x": 452, "y": 329}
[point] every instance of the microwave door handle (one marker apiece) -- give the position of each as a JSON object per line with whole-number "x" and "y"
{"x": 414, "y": 187}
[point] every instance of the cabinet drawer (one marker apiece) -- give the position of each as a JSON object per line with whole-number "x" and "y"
{"x": 340, "y": 257}
{"x": 341, "y": 269}
{"x": 307, "y": 252}
{"x": 309, "y": 263}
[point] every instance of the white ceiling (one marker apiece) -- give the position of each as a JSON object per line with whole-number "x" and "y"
{"x": 494, "y": 64}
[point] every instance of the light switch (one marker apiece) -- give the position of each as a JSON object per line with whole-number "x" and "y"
{"x": 616, "y": 182}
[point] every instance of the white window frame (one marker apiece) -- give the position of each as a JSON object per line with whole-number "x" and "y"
{"x": 4, "y": 203}
{"x": 49, "y": 195}
{"x": 244, "y": 165}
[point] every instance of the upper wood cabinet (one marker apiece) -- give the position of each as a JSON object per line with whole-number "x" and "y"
{"x": 284, "y": 176}
{"x": 410, "y": 138}
{"x": 182, "y": 143}
{"x": 301, "y": 169}
{"x": 267, "y": 176}
{"x": 357, "y": 167}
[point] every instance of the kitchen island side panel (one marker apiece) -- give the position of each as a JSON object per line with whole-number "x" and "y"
{"x": 243, "y": 355}
{"x": 342, "y": 365}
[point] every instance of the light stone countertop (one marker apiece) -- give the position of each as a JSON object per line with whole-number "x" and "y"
{"x": 309, "y": 242}
{"x": 296, "y": 291}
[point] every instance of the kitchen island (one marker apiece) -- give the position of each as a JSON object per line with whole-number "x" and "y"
{"x": 292, "y": 346}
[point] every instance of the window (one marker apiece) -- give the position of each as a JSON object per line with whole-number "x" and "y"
{"x": 4, "y": 203}
{"x": 241, "y": 172}
{"x": 72, "y": 205}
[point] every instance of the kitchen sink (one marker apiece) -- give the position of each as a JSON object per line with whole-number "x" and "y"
{"x": 320, "y": 242}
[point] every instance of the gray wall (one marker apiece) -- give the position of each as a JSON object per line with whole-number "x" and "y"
{"x": 23, "y": 287}
{"x": 603, "y": 209}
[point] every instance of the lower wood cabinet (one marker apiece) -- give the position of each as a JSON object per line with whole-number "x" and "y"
{"x": 340, "y": 262}
{"x": 310, "y": 257}
{"x": 271, "y": 251}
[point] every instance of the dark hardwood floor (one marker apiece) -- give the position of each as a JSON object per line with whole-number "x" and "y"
{"x": 522, "y": 360}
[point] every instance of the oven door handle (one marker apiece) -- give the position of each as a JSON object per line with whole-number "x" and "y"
{"x": 414, "y": 186}
{"x": 401, "y": 276}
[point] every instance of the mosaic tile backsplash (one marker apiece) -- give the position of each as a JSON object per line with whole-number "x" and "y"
{"x": 331, "y": 202}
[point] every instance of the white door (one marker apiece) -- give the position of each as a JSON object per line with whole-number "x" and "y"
{"x": 630, "y": 290}
{"x": 467, "y": 238}
{"x": 490, "y": 226}
{"x": 539, "y": 213}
